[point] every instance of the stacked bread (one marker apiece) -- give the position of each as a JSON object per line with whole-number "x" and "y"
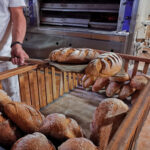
{"x": 18, "y": 119}
{"x": 123, "y": 87}
{"x": 73, "y": 55}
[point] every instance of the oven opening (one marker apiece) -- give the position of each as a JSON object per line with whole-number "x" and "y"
{"x": 91, "y": 14}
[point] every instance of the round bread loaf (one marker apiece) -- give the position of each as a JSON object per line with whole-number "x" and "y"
{"x": 108, "y": 108}
{"x": 73, "y": 55}
{"x": 60, "y": 127}
{"x": 77, "y": 144}
{"x": 138, "y": 82}
{"x": 35, "y": 141}
{"x": 4, "y": 99}
{"x": 24, "y": 116}
{"x": 9, "y": 133}
{"x": 105, "y": 65}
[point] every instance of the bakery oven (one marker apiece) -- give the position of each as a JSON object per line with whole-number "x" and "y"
{"x": 100, "y": 24}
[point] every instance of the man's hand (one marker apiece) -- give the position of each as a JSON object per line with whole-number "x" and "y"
{"x": 18, "y": 55}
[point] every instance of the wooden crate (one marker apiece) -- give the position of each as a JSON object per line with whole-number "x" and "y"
{"x": 42, "y": 84}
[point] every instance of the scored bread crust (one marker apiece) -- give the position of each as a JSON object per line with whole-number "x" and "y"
{"x": 4, "y": 99}
{"x": 105, "y": 65}
{"x": 35, "y": 141}
{"x": 24, "y": 116}
{"x": 9, "y": 133}
{"x": 77, "y": 144}
{"x": 107, "y": 109}
{"x": 60, "y": 127}
{"x": 73, "y": 55}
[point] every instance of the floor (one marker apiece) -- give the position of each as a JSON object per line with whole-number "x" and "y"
{"x": 143, "y": 142}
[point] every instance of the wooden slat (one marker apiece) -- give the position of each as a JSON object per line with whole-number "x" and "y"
{"x": 24, "y": 88}
{"x": 48, "y": 79}
{"x": 66, "y": 88}
{"x": 145, "y": 69}
{"x": 61, "y": 85}
{"x": 74, "y": 80}
{"x": 16, "y": 71}
{"x": 41, "y": 86}
{"x": 1, "y": 87}
{"x": 135, "y": 68}
{"x": 126, "y": 65}
{"x": 70, "y": 81}
{"x": 34, "y": 89}
{"x": 127, "y": 129}
{"x": 55, "y": 95}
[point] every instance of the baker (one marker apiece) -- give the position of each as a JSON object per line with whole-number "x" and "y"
{"x": 12, "y": 33}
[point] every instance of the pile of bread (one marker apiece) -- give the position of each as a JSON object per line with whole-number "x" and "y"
{"x": 24, "y": 128}
{"x": 104, "y": 71}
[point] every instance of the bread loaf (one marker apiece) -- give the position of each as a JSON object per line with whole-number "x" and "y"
{"x": 9, "y": 133}
{"x": 88, "y": 81}
{"x": 60, "y": 127}
{"x": 138, "y": 82}
{"x": 120, "y": 77}
{"x": 105, "y": 65}
{"x": 4, "y": 99}
{"x": 100, "y": 83}
{"x": 112, "y": 88}
{"x": 126, "y": 91}
{"x": 77, "y": 144}
{"x": 25, "y": 117}
{"x": 108, "y": 108}
{"x": 35, "y": 141}
{"x": 73, "y": 55}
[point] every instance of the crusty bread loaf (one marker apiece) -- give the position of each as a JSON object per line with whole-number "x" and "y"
{"x": 9, "y": 133}
{"x": 4, "y": 99}
{"x": 100, "y": 83}
{"x": 35, "y": 141}
{"x": 108, "y": 108}
{"x": 73, "y": 55}
{"x": 105, "y": 65}
{"x": 126, "y": 91}
{"x": 60, "y": 127}
{"x": 25, "y": 117}
{"x": 77, "y": 144}
{"x": 112, "y": 88}
{"x": 138, "y": 82}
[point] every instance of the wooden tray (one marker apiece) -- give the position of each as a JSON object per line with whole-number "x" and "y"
{"x": 43, "y": 86}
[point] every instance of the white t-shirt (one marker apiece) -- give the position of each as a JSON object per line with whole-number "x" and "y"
{"x": 5, "y": 24}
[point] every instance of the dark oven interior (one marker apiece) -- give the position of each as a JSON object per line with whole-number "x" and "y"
{"x": 92, "y": 14}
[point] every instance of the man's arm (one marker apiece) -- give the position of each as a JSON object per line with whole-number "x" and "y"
{"x": 18, "y": 34}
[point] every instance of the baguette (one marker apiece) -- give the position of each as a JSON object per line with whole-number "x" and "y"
{"x": 25, "y": 117}
{"x": 87, "y": 81}
{"x": 100, "y": 83}
{"x": 77, "y": 144}
{"x": 73, "y": 55}
{"x": 60, "y": 127}
{"x": 112, "y": 88}
{"x": 35, "y": 141}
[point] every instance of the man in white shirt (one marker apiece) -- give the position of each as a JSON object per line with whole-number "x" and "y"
{"x": 12, "y": 33}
